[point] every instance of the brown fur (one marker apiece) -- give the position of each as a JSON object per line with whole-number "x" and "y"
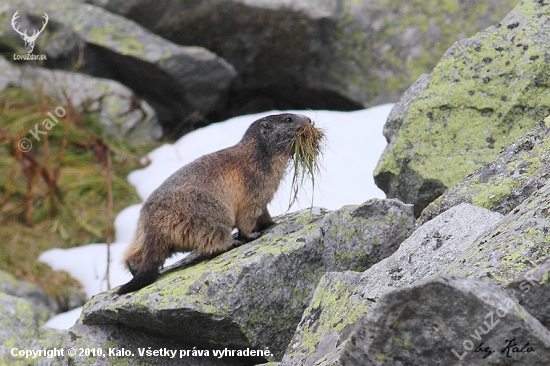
{"x": 198, "y": 206}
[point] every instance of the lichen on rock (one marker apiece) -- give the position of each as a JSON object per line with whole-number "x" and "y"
{"x": 413, "y": 326}
{"x": 20, "y": 330}
{"x": 253, "y": 296}
{"x": 484, "y": 93}
{"x": 504, "y": 183}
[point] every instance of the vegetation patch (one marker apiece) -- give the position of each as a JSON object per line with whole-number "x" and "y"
{"x": 63, "y": 181}
{"x": 308, "y": 145}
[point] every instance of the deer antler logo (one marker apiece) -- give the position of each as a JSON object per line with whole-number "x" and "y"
{"x": 29, "y": 40}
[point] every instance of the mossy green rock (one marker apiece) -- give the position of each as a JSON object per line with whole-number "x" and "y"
{"x": 44, "y": 308}
{"x": 465, "y": 241}
{"x": 327, "y": 323}
{"x": 504, "y": 183}
{"x": 24, "y": 308}
{"x": 532, "y": 291}
{"x": 21, "y": 330}
{"x": 385, "y": 46}
{"x": 517, "y": 244}
{"x": 253, "y": 296}
{"x": 485, "y": 92}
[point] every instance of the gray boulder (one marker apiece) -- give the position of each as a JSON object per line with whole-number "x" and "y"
{"x": 427, "y": 252}
{"x": 122, "y": 114}
{"x": 447, "y": 321}
{"x": 465, "y": 241}
{"x": 532, "y": 291}
{"x": 504, "y": 183}
{"x": 485, "y": 93}
{"x": 331, "y": 54}
{"x": 43, "y": 306}
{"x": 252, "y": 297}
{"x": 121, "y": 346}
{"x": 20, "y": 332}
{"x": 9, "y": 74}
{"x": 183, "y": 84}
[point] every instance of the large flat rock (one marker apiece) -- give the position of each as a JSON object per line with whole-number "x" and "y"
{"x": 253, "y": 296}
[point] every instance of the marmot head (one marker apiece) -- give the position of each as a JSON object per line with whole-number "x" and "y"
{"x": 276, "y": 133}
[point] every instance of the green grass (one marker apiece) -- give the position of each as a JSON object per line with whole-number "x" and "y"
{"x": 307, "y": 147}
{"x": 57, "y": 194}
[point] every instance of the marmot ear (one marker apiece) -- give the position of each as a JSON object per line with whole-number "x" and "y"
{"x": 265, "y": 125}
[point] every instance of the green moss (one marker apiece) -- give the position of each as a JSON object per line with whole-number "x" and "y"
{"x": 113, "y": 36}
{"x": 335, "y": 306}
{"x": 407, "y": 344}
{"x": 368, "y": 54}
{"x": 544, "y": 278}
{"x": 98, "y": 35}
{"x": 479, "y": 92}
{"x": 520, "y": 313}
{"x": 131, "y": 46}
{"x": 490, "y": 196}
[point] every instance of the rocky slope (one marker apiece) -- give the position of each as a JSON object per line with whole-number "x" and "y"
{"x": 343, "y": 288}
{"x": 253, "y": 296}
{"x": 464, "y": 284}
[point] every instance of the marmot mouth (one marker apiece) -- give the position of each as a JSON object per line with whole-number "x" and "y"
{"x": 307, "y": 146}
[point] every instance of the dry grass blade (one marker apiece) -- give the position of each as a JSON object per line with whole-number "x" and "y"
{"x": 308, "y": 145}
{"x": 62, "y": 193}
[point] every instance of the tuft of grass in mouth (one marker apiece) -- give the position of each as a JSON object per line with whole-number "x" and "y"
{"x": 307, "y": 147}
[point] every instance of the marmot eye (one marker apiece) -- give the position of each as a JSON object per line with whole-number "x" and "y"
{"x": 288, "y": 119}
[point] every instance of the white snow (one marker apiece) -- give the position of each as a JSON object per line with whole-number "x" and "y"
{"x": 354, "y": 144}
{"x": 64, "y": 321}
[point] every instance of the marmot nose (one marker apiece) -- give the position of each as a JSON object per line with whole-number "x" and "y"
{"x": 304, "y": 120}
